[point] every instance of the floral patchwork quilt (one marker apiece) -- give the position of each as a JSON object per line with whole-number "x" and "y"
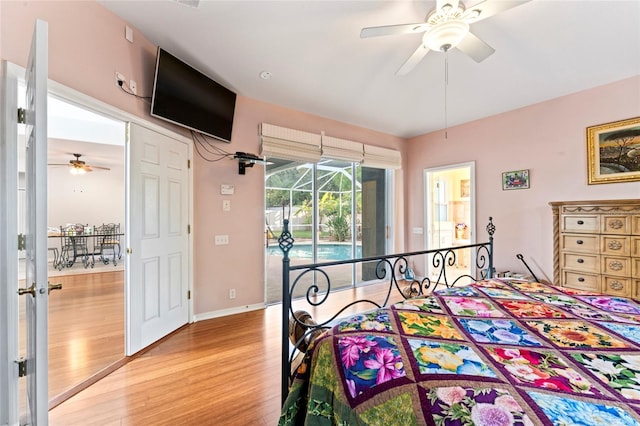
{"x": 498, "y": 352}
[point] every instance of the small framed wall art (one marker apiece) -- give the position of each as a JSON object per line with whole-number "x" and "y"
{"x": 518, "y": 179}
{"x": 613, "y": 151}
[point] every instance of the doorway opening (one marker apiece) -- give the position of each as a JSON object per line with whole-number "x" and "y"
{"x": 86, "y": 332}
{"x": 450, "y": 216}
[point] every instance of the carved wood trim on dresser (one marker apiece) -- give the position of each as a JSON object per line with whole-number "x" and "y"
{"x": 596, "y": 246}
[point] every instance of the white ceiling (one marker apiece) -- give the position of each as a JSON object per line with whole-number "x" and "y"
{"x": 320, "y": 65}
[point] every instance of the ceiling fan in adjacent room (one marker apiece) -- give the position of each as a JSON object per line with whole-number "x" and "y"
{"x": 79, "y": 167}
{"x": 447, "y": 27}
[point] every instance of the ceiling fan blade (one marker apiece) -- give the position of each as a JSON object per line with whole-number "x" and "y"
{"x": 475, "y": 48}
{"x": 393, "y": 29}
{"x": 57, "y": 164}
{"x": 99, "y": 167}
{"x": 488, "y": 8}
{"x": 413, "y": 60}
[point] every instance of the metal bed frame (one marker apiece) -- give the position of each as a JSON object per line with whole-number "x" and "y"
{"x": 388, "y": 267}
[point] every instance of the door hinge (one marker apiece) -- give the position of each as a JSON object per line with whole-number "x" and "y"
{"x": 188, "y": 164}
{"x": 22, "y": 116}
{"x": 189, "y": 229}
{"x": 188, "y": 294}
{"x": 22, "y": 367}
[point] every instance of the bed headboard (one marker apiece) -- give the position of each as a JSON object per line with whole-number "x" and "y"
{"x": 391, "y": 268}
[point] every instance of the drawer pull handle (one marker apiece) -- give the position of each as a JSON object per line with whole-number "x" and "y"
{"x": 616, "y": 285}
{"x": 580, "y": 260}
{"x": 581, "y": 222}
{"x": 580, "y": 280}
{"x": 615, "y": 265}
{"x": 579, "y": 242}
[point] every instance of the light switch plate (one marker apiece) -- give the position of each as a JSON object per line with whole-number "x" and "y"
{"x": 226, "y": 189}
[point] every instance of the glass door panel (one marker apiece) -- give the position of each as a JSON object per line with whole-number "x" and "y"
{"x": 335, "y": 185}
{"x": 288, "y": 195}
{"x": 373, "y": 212}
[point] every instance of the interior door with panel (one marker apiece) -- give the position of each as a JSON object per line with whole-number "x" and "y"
{"x": 157, "y": 236}
{"x": 9, "y": 335}
{"x": 36, "y": 291}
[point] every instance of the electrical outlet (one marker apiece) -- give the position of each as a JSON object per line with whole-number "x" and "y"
{"x": 119, "y": 77}
{"x": 133, "y": 86}
{"x": 232, "y": 293}
{"x": 221, "y": 240}
{"x": 226, "y": 205}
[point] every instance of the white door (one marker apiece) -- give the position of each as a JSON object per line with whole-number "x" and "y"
{"x": 36, "y": 228}
{"x": 8, "y": 247}
{"x": 157, "y": 236}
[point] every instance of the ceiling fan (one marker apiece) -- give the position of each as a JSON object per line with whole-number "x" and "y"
{"x": 78, "y": 166}
{"x": 446, "y": 27}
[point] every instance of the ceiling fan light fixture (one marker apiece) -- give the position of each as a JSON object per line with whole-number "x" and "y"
{"x": 445, "y": 35}
{"x": 77, "y": 170}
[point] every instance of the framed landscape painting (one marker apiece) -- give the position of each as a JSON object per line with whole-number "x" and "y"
{"x": 518, "y": 179}
{"x": 613, "y": 152}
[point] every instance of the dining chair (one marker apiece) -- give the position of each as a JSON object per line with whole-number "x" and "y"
{"x": 108, "y": 238}
{"x": 74, "y": 245}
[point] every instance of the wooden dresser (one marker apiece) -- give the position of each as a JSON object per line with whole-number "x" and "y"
{"x": 596, "y": 246}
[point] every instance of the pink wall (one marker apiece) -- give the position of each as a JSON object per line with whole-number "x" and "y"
{"x": 86, "y": 48}
{"x": 549, "y": 139}
{"x": 240, "y": 265}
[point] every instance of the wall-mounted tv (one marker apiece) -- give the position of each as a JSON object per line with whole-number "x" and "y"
{"x": 187, "y": 97}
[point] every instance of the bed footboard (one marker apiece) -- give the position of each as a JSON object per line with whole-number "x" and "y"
{"x": 315, "y": 283}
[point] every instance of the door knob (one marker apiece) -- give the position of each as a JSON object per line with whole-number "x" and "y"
{"x": 55, "y": 287}
{"x": 30, "y": 290}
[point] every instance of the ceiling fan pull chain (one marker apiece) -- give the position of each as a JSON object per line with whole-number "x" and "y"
{"x": 446, "y": 83}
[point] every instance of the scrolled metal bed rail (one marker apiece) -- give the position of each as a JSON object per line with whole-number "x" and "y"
{"x": 390, "y": 267}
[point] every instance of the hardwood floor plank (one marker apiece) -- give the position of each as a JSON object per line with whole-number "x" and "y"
{"x": 223, "y": 371}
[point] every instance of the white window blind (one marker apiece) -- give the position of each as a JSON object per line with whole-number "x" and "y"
{"x": 381, "y": 158}
{"x": 342, "y": 149}
{"x": 289, "y": 144}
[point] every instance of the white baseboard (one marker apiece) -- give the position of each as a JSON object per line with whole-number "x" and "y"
{"x": 227, "y": 312}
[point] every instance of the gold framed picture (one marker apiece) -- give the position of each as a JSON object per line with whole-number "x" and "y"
{"x": 613, "y": 152}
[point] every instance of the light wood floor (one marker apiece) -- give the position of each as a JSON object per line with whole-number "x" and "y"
{"x": 86, "y": 329}
{"x": 224, "y": 371}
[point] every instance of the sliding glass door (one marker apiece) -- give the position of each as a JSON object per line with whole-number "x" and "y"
{"x": 337, "y": 210}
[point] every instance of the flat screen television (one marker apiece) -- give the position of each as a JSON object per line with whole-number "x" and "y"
{"x": 187, "y": 97}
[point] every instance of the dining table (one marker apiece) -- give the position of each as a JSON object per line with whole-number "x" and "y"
{"x": 64, "y": 259}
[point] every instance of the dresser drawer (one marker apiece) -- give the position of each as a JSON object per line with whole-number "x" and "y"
{"x": 582, "y": 243}
{"x": 581, "y": 262}
{"x": 614, "y": 265}
{"x": 615, "y": 245}
{"x": 635, "y": 246}
{"x": 580, "y": 223}
{"x": 616, "y": 286}
{"x": 580, "y": 281}
{"x": 620, "y": 224}
{"x": 635, "y": 225}
{"x": 635, "y": 267}
{"x": 636, "y": 289}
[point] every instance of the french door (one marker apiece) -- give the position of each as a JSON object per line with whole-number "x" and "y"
{"x": 35, "y": 291}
